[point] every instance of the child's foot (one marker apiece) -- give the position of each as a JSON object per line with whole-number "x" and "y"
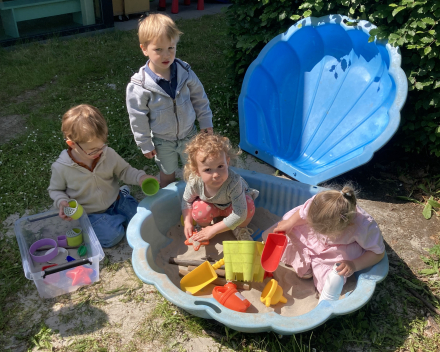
{"x": 243, "y": 233}
{"x": 125, "y": 190}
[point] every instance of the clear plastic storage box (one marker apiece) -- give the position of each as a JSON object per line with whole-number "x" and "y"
{"x": 53, "y": 281}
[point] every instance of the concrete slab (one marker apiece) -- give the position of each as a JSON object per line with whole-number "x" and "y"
{"x": 212, "y": 7}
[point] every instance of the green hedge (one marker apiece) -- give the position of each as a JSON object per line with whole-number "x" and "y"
{"x": 412, "y": 25}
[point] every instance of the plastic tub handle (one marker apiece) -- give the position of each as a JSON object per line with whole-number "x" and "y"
{"x": 69, "y": 265}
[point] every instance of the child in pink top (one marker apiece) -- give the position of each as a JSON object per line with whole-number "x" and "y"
{"x": 329, "y": 228}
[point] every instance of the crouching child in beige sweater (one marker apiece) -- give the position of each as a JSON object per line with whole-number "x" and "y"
{"x": 88, "y": 171}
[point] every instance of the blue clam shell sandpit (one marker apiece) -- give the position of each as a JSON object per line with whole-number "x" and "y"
{"x": 320, "y": 99}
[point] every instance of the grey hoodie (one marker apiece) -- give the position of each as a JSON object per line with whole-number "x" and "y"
{"x": 153, "y": 112}
{"x": 95, "y": 190}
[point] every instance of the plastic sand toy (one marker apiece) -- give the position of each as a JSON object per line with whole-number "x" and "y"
{"x": 150, "y": 186}
{"x": 74, "y": 210}
{"x": 80, "y": 275}
{"x": 196, "y": 244}
{"x": 243, "y": 260}
{"x": 74, "y": 237}
{"x": 273, "y": 251}
{"x": 272, "y": 294}
{"x": 200, "y": 277}
{"x": 228, "y": 296}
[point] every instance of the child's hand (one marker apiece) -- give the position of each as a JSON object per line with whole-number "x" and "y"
{"x": 61, "y": 213}
{"x": 204, "y": 235}
{"x": 346, "y": 268}
{"x": 283, "y": 226}
{"x": 145, "y": 177}
{"x": 188, "y": 230}
{"x": 150, "y": 155}
{"x": 208, "y": 130}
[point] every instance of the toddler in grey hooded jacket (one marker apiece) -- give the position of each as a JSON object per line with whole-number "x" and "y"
{"x": 153, "y": 112}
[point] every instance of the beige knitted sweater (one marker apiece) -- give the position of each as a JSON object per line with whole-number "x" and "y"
{"x": 95, "y": 190}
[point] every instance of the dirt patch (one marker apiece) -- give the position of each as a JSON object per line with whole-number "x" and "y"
{"x": 115, "y": 311}
{"x": 10, "y": 127}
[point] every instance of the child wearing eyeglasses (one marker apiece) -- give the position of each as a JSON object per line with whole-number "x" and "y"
{"x": 88, "y": 171}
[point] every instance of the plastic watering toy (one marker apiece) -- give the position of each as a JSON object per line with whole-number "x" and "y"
{"x": 320, "y": 99}
{"x": 150, "y": 186}
{"x": 272, "y": 294}
{"x": 243, "y": 260}
{"x": 273, "y": 251}
{"x": 74, "y": 210}
{"x": 230, "y": 297}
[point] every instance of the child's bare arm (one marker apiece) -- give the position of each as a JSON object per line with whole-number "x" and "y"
{"x": 210, "y": 231}
{"x": 369, "y": 258}
{"x": 187, "y": 222}
{"x": 287, "y": 225}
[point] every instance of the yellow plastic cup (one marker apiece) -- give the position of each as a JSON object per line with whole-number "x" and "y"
{"x": 150, "y": 186}
{"x": 74, "y": 210}
{"x": 74, "y": 237}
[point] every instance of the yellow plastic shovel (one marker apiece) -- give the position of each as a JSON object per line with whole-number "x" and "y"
{"x": 200, "y": 277}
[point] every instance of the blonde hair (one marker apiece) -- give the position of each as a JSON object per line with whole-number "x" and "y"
{"x": 84, "y": 123}
{"x": 154, "y": 26}
{"x": 332, "y": 211}
{"x": 207, "y": 145}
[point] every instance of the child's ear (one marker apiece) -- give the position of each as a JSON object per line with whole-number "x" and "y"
{"x": 144, "y": 49}
{"x": 228, "y": 159}
{"x": 70, "y": 143}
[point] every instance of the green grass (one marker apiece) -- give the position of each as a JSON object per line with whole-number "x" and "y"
{"x": 42, "y": 81}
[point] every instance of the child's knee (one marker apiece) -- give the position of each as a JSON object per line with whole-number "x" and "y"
{"x": 109, "y": 229}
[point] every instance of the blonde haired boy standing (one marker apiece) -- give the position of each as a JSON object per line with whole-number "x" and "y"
{"x": 164, "y": 98}
{"x": 89, "y": 171}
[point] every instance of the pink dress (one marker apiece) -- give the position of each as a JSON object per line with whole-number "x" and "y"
{"x": 306, "y": 248}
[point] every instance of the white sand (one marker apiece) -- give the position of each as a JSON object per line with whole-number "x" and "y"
{"x": 300, "y": 293}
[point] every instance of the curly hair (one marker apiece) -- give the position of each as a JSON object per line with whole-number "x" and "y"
{"x": 332, "y": 211}
{"x": 206, "y": 145}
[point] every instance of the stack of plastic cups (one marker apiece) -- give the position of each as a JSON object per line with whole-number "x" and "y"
{"x": 333, "y": 285}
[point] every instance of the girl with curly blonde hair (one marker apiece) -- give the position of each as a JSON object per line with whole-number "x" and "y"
{"x": 214, "y": 190}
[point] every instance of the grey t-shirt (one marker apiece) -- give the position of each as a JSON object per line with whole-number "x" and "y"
{"x": 233, "y": 191}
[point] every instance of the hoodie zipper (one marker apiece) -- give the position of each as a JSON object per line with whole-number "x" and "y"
{"x": 177, "y": 119}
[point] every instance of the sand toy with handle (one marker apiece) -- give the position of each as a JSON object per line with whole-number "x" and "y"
{"x": 273, "y": 251}
{"x": 272, "y": 294}
{"x": 200, "y": 277}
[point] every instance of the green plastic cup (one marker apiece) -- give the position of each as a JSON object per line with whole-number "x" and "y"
{"x": 150, "y": 186}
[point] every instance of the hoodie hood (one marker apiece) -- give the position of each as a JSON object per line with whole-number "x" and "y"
{"x": 142, "y": 79}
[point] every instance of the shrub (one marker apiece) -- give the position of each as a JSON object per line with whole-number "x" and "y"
{"x": 410, "y": 24}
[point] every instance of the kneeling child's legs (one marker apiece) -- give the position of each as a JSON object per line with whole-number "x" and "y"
{"x": 109, "y": 229}
{"x": 203, "y": 212}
